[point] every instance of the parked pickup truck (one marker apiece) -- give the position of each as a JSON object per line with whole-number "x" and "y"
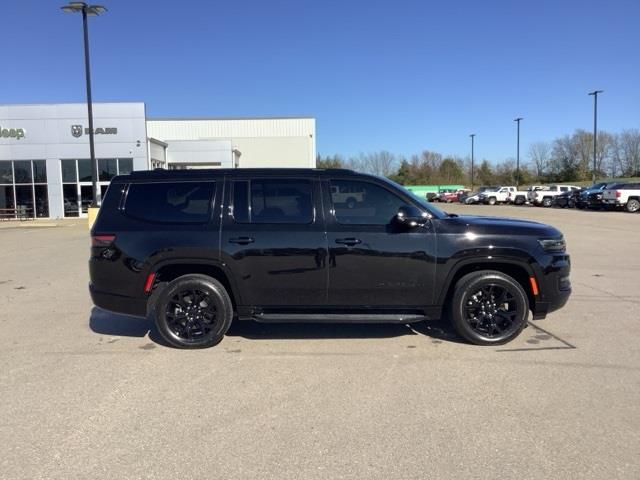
{"x": 626, "y": 195}
{"x": 521, "y": 197}
{"x": 544, "y": 197}
{"x": 497, "y": 195}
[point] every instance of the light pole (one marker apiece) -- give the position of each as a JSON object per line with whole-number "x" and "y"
{"x": 472, "y": 137}
{"x": 595, "y": 130}
{"x": 517, "y": 120}
{"x": 88, "y": 10}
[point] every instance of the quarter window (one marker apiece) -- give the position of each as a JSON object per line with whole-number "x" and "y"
{"x": 176, "y": 202}
{"x": 363, "y": 203}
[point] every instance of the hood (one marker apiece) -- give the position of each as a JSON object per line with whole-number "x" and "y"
{"x": 481, "y": 225}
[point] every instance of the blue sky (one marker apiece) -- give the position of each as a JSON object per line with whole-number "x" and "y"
{"x": 397, "y": 75}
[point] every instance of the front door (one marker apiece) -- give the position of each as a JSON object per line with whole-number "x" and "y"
{"x": 273, "y": 241}
{"x": 372, "y": 262}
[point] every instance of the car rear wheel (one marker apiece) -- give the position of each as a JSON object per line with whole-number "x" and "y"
{"x": 193, "y": 311}
{"x": 489, "y": 308}
{"x": 633, "y": 205}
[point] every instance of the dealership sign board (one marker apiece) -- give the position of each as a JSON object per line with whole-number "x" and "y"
{"x": 16, "y": 133}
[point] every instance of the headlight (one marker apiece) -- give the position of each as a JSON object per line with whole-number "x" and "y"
{"x": 553, "y": 244}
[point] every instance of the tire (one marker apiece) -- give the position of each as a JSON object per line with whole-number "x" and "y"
{"x": 492, "y": 201}
{"x": 633, "y": 205}
{"x": 518, "y": 201}
{"x": 476, "y": 313}
{"x": 571, "y": 204}
{"x": 186, "y": 324}
{"x": 546, "y": 202}
{"x": 351, "y": 202}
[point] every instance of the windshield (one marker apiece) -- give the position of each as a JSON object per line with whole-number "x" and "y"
{"x": 492, "y": 189}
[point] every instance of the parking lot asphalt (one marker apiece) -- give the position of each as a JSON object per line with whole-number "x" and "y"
{"x": 87, "y": 394}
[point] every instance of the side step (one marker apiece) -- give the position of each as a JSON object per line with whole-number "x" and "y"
{"x": 338, "y": 318}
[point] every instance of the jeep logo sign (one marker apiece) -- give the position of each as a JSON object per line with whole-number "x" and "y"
{"x": 16, "y": 133}
{"x": 77, "y": 130}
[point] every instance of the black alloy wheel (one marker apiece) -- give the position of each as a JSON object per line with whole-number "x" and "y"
{"x": 489, "y": 308}
{"x": 193, "y": 311}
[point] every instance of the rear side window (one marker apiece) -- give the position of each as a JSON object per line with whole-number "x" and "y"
{"x": 175, "y": 202}
{"x": 273, "y": 201}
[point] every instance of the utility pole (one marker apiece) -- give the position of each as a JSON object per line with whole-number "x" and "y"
{"x": 472, "y": 137}
{"x": 595, "y": 131}
{"x": 517, "y": 120}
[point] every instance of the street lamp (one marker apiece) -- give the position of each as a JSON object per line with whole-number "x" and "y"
{"x": 88, "y": 10}
{"x": 472, "y": 137}
{"x": 595, "y": 130}
{"x": 517, "y": 120}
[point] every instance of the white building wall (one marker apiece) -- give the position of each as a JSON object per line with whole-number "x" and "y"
{"x": 48, "y": 136}
{"x": 269, "y": 142}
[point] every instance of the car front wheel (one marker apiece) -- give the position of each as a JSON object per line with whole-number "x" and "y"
{"x": 546, "y": 202}
{"x": 489, "y": 308}
{"x": 193, "y": 311}
{"x": 633, "y": 205}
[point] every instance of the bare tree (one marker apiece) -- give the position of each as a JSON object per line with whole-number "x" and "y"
{"x": 539, "y": 155}
{"x": 377, "y": 163}
{"x": 629, "y": 151}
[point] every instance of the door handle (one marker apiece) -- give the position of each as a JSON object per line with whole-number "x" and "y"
{"x": 350, "y": 242}
{"x": 241, "y": 240}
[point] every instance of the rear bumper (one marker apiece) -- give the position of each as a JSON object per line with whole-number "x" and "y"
{"x": 118, "y": 303}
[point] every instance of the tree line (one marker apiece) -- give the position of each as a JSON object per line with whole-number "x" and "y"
{"x": 565, "y": 159}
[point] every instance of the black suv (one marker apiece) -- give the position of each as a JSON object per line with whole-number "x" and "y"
{"x": 195, "y": 249}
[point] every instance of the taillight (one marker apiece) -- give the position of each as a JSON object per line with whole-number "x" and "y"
{"x": 618, "y": 194}
{"x": 102, "y": 240}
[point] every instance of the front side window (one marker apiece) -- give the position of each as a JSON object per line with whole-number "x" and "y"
{"x": 273, "y": 201}
{"x": 175, "y": 202}
{"x": 363, "y": 203}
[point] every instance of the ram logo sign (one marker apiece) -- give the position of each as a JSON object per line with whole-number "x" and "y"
{"x": 77, "y": 131}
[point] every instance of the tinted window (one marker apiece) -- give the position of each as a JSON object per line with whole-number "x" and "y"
{"x": 107, "y": 168}
{"x": 181, "y": 202}
{"x": 84, "y": 170}
{"x": 273, "y": 201}
{"x": 125, "y": 166}
{"x": 39, "y": 171}
{"x": 6, "y": 172}
{"x": 363, "y": 203}
{"x": 241, "y": 202}
{"x": 69, "y": 171}
{"x": 22, "y": 171}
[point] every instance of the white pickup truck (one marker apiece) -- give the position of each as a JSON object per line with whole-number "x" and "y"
{"x": 495, "y": 195}
{"x": 626, "y": 195}
{"x": 545, "y": 195}
{"x": 522, "y": 196}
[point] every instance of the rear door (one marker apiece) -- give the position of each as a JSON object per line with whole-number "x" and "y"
{"x": 371, "y": 262}
{"x": 273, "y": 240}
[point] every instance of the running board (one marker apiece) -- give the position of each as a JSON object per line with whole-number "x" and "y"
{"x": 338, "y": 318}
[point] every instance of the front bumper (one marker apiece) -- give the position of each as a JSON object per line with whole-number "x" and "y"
{"x": 555, "y": 287}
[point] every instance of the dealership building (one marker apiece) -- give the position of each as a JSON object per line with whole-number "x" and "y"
{"x": 45, "y": 169}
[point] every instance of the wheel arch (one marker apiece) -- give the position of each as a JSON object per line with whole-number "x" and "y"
{"x": 517, "y": 269}
{"x": 172, "y": 269}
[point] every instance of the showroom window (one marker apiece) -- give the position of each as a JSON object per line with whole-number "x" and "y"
{"x": 77, "y": 190}
{"x": 23, "y": 189}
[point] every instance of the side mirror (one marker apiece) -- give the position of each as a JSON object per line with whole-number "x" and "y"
{"x": 411, "y": 216}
